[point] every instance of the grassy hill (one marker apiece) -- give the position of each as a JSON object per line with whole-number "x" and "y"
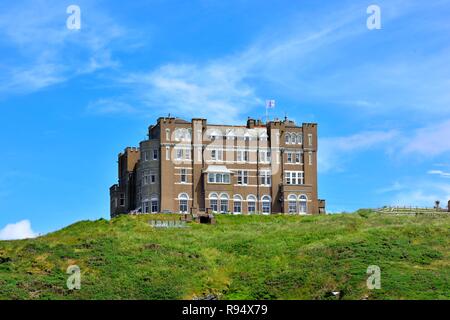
{"x": 241, "y": 257}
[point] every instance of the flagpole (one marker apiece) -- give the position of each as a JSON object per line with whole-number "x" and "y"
{"x": 269, "y": 105}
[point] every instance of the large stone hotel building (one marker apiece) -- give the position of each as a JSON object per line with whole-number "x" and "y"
{"x": 196, "y": 167}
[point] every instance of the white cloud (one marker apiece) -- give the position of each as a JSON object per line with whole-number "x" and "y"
{"x": 415, "y": 191}
{"x": 429, "y": 141}
{"x": 334, "y": 151}
{"x": 109, "y": 106}
{"x": 45, "y": 52}
{"x": 396, "y": 186}
{"x": 307, "y": 58}
{"x": 424, "y": 194}
{"x": 19, "y": 230}
{"x": 440, "y": 173}
{"x": 213, "y": 90}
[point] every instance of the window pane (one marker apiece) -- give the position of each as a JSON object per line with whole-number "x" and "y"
{"x": 213, "y": 203}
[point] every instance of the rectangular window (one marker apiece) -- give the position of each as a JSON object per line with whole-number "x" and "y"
{"x": 218, "y": 178}
{"x": 288, "y": 177}
{"x": 264, "y": 156}
{"x": 145, "y": 207}
{"x": 310, "y": 158}
{"x": 294, "y": 177}
{"x": 183, "y": 176}
{"x": 122, "y": 199}
{"x": 265, "y": 178}
{"x": 216, "y": 154}
{"x": 297, "y": 157}
{"x": 289, "y": 157}
{"x": 152, "y": 178}
{"x": 144, "y": 156}
{"x": 242, "y": 155}
{"x": 167, "y": 153}
{"x": 310, "y": 139}
{"x": 155, "y": 154}
{"x": 154, "y": 206}
{"x": 242, "y": 177}
{"x": 145, "y": 178}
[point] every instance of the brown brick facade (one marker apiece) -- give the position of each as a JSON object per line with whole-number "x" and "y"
{"x": 198, "y": 167}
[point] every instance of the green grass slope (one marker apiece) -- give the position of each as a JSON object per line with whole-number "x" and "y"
{"x": 241, "y": 257}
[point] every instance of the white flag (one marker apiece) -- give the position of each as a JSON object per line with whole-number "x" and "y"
{"x": 270, "y": 104}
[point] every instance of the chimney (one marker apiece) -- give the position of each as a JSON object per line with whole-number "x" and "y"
{"x": 250, "y": 123}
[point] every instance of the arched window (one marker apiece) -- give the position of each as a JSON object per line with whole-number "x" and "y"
{"x": 294, "y": 138}
{"x": 300, "y": 138}
{"x": 287, "y": 138}
{"x": 154, "y": 204}
{"x": 183, "y": 199}
{"x": 237, "y": 204}
{"x": 303, "y": 202}
{"x": 251, "y": 204}
{"x": 223, "y": 203}
{"x": 182, "y": 134}
{"x": 265, "y": 204}
{"x": 292, "y": 204}
{"x": 213, "y": 202}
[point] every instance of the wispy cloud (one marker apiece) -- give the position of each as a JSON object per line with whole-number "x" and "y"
{"x": 214, "y": 90}
{"x": 335, "y": 151}
{"x": 225, "y": 88}
{"x": 310, "y": 62}
{"x": 19, "y": 230}
{"x": 396, "y": 186}
{"x": 110, "y": 106}
{"x": 46, "y": 52}
{"x": 423, "y": 193}
{"x": 439, "y": 173}
{"x": 429, "y": 141}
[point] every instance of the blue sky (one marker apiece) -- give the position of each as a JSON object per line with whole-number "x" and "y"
{"x": 71, "y": 100}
